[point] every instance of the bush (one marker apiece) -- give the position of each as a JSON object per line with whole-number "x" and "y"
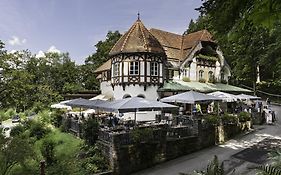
{"x": 185, "y": 79}
{"x": 212, "y": 119}
{"x": 37, "y": 129}
{"x": 48, "y": 151}
{"x": 202, "y": 80}
{"x": 44, "y": 116}
{"x": 229, "y": 119}
{"x": 66, "y": 123}
{"x": 17, "y": 130}
{"x": 223, "y": 81}
{"x": 244, "y": 116}
{"x": 142, "y": 134}
{"x": 90, "y": 129}
{"x": 57, "y": 118}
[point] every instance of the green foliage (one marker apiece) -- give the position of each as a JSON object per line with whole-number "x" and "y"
{"x": 93, "y": 161}
{"x": 37, "y": 129}
{"x": 90, "y": 131}
{"x": 244, "y": 116}
{"x": 17, "y": 130}
{"x": 229, "y": 119}
{"x": 202, "y": 80}
{"x": 212, "y": 119}
{"x": 48, "y": 151}
{"x": 186, "y": 79}
{"x": 208, "y": 58}
{"x": 14, "y": 152}
{"x": 213, "y": 168}
{"x": 142, "y": 135}
{"x": 57, "y": 117}
{"x": 212, "y": 79}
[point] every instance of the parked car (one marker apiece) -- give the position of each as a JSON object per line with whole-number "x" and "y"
{"x": 16, "y": 119}
{"x": 6, "y": 131}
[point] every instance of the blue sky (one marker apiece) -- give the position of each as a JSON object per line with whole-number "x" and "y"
{"x": 75, "y": 26}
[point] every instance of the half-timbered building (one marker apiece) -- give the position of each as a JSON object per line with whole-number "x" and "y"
{"x": 142, "y": 61}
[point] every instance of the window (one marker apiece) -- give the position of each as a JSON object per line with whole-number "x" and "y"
{"x": 141, "y": 96}
{"x": 211, "y": 75}
{"x": 127, "y": 96}
{"x": 134, "y": 68}
{"x": 201, "y": 73}
{"x": 116, "y": 69}
{"x": 154, "y": 69}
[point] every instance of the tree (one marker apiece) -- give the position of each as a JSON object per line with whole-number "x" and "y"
{"x": 97, "y": 59}
{"x": 91, "y": 131}
{"x": 14, "y": 151}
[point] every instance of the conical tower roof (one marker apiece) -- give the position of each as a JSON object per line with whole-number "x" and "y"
{"x": 137, "y": 39}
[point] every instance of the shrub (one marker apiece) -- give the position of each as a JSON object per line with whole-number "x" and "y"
{"x": 227, "y": 118}
{"x": 244, "y": 116}
{"x": 56, "y": 118}
{"x": 142, "y": 134}
{"x": 223, "y": 81}
{"x": 48, "y": 151}
{"x": 90, "y": 129}
{"x": 202, "y": 80}
{"x": 185, "y": 79}
{"x": 17, "y": 130}
{"x": 37, "y": 129}
{"x": 212, "y": 119}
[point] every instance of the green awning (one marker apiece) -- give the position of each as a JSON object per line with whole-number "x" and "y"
{"x": 200, "y": 87}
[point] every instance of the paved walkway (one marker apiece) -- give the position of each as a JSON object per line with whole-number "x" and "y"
{"x": 199, "y": 160}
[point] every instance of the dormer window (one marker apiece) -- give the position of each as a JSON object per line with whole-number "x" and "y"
{"x": 154, "y": 69}
{"x": 116, "y": 69}
{"x": 134, "y": 68}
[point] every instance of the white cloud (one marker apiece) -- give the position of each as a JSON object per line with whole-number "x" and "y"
{"x": 53, "y": 49}
{"x": 40, "y": 54}
{"x": 16, "y": 41}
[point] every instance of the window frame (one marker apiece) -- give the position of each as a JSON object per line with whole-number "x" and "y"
{"x": 116, "y": 69}
{"x": 154, "y": 67}
{"x": 134, "y": 68}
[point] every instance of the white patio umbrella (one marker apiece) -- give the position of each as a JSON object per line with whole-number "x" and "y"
{"x": 84, "y": 103}
{"x": 190, "y": 97}
{"x": 247, "y": 97}
{"x": 226, "y": 97}
{"x": 61, "y": 105}
{"x": 135, "y": 104}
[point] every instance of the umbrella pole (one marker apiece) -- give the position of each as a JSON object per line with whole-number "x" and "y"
{"x": 135, "y": 117}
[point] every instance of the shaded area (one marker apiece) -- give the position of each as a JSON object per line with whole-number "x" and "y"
{"x": 259, "y": 153}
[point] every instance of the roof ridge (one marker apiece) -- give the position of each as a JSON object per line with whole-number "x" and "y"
{"x": 128, "y": 34}
{"x": 165, "y": 31}
{"x": 144, "y": 40}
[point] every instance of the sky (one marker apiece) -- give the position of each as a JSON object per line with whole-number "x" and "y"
{"x": 75, "y": 26}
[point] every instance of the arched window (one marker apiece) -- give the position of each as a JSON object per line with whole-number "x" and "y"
{"x": 201, "y": 74}
{"x": 127, "y": 96}
{"x": 211, "y": 75}
{"x": 141, "y": 96}
{"x": 153, "y": 68}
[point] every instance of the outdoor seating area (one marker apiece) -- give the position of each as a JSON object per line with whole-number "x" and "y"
{"x": 177, "y": 111}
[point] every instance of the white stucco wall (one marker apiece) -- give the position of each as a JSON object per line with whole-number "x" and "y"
{"x": 133, "y": 91}
{"x": 106, "y": 88}
{"x": 193, "y": 70}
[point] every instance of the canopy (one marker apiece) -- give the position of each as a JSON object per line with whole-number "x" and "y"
{"x": 247, "y": 97}
{"x": 84, "y": 103}
{"x": 226, "y": 97}
{"x": 61, "y": 105}
{"x": 190, "y": 97}
{"x": 134, "y": 104}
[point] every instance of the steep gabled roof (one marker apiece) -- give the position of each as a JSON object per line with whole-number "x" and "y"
{"x": 137, "y": 39}
{"x": 180, "y": 46}
{"x": 105, "y": 66}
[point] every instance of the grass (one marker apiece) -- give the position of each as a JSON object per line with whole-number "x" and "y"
{"x": 67, "y": 145}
